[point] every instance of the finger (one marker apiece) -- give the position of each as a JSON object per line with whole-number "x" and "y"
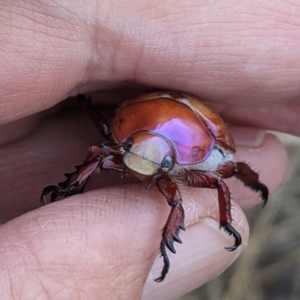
{"x": 92, "y": 243}
{"x": 213, "y": 57}
{"x": 277, "y": 117}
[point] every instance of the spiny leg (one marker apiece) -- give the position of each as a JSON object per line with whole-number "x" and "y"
{"x": 108, "y": 159}
{"x": 75, "y": 182}
{"x": 225, "y": 214}
{"x": 244, "y": 173}
{"x": 213, "y": 181}
{"x": 57, "y": 191}
{"x": 167, "y": 186}
{"x": 250, "y": 179}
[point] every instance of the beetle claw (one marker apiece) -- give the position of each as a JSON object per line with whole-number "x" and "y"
{"x": 57, "y": 191}
{"x": 169, "y": 242}
{"x": 259, "y": 187}
{"x": 47, "y": 190}
{"x": 250, "y": 179}
{"x": 231, "y": 231}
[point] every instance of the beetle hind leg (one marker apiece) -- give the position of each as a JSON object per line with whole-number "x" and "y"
{"x": 213, "y": 181}
{"x": 259, "y": 187}
{"x": 245, "y": 174}
{"x": 250, "y": 179}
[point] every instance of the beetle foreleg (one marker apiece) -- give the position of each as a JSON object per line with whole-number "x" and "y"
{"x": 57, "y": 191}
{"x": 75, "y": 182}
{"x": 107, "y": 159}
{"x": 213, "y": 181}
{"x": 169, "y": 189}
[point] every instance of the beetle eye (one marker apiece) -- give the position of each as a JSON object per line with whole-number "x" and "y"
{"x": 168, "y": 162}
{"x": 127, "y": 145}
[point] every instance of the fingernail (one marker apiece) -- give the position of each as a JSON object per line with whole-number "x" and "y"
{"x": 199, "y": 259}
{"x": 247, "y": 136}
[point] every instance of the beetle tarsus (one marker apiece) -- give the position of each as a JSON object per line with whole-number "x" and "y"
{"x": 231, "y": 231}
{"x": 259, "y": 187}
{"x": 47, "y": 190}
{"x": 169, "y": 236}
{"x": 251, "y": 179}
{"x": 57, "y": 191}
{"x": 166, "y": 266}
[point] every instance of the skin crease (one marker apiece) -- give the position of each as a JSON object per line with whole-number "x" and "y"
{"x": 101, "y": 245}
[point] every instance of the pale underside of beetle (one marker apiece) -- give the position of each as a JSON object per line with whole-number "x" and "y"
{"x": 167, "y": 138}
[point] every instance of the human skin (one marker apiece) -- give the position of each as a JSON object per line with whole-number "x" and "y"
{"x": 241, "y": 58}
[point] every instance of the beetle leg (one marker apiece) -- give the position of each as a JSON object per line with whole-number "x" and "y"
{"x": 250, "y": 179}
{"x": 167, "y": 186}
{"x": 76, "y": 181}
{"x": 96, "y": 117}
{"x": 244, "y": 173}
{"x": 57, "y": 191}
{"x": 213, "y": 181}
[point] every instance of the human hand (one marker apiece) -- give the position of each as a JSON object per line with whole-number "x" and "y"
{"x": 104, "y": 242}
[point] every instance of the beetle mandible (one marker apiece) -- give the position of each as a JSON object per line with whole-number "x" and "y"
{"x": 166, "y": 138}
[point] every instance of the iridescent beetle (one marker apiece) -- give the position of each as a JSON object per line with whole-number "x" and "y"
{"x": 166, "y": 138}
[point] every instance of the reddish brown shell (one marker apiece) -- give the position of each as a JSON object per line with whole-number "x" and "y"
{"x": 192, "y": 127}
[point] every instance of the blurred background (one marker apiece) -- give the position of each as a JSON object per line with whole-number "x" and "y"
{"x": 270, "y": 266}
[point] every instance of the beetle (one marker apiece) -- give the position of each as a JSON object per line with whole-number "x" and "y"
{"x": 167, "y": 138}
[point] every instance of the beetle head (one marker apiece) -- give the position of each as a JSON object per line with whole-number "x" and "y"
{"x": 146, "y": 153}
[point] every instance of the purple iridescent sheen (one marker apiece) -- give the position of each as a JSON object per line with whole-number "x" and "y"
{"x": 173, "y": 120}
{"x": 188, "y": 140}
